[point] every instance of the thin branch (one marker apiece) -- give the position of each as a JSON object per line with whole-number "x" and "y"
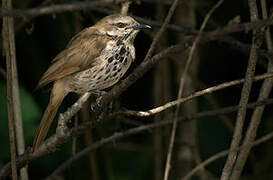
{"x": 161, "y": 30}
{"x": 9, "y": 48}
{"x": 181, "y": 88}
{"x": 17, "y": 104}
{"x": 125, "y": 7}
{"x": 258, "y": 112}
{"x": 57, "y": 8}
{"x": 184, "y": 99}
{"x": 118, "y": 135}
{"x": 224, "y": 153}
{"x": 65, "y": 117}
{"x": 237, "y": 136}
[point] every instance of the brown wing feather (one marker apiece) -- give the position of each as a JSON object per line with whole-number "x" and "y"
{"x": 77, "y": 56}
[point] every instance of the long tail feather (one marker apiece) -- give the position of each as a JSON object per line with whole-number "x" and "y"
{"x": 57, "y": 95}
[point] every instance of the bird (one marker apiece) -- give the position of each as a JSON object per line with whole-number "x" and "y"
{"x": 94, "y": 59}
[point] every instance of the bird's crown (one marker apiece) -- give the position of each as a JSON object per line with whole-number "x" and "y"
{"x": 120, "y": 27}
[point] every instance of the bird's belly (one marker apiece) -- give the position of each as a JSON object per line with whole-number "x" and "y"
{"x": 102, "y": 75}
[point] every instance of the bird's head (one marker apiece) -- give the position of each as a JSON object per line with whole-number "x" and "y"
{"x": 120, "y": 27}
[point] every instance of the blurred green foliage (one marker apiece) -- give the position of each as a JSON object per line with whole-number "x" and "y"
{"x": 30, "y": 114}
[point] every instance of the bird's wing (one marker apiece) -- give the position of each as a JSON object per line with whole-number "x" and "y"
{"x": 78, "y": 55}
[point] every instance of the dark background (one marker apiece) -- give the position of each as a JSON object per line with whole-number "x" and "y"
{"x": 42, "y": 38}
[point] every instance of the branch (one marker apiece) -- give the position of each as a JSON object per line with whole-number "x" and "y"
{"x": 57, "y": 8}
{"x": 258, "y": 112}
{"x": 118, "y": 135}
{"x": 65, "y": 117}
{"x": 237, "y": 136}
{"x": 125, "y": 7}
{"x": 9, "y": 50}
{"x": 16, "y": 104}
{"x": 184, "y": 99}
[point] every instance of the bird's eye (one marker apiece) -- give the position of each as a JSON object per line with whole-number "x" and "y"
{"x": 120, "y": 25}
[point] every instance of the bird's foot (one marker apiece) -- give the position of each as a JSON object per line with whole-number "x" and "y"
{"x": 98, "y": 107}
{"x": 99, "y": 93}
{"x": 98, "y": 103}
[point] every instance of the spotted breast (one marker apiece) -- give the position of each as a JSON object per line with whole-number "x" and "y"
{"x": 116, "y": 58}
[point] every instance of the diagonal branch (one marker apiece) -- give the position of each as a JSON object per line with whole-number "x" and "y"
{"x": 184, "y": 99}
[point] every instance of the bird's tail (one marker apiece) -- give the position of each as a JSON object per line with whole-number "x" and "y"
{"x": 58, "y": 93}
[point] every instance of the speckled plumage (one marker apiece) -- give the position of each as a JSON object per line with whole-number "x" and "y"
{"x": 117, "y": 58}
{"x": 94, "y": 59}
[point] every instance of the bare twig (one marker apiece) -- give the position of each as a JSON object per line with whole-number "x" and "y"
{"x": 57, "y": 8}
{"x": 212, "y": 100}
{"x": 161, "y": 30}
{"x": 181, "y": 87}
{"x": 125, "y": 7}
{"x": 9, "y": 46}
{"x": 258, "y": 112}
{"x": 184, "y": 99}
{"x": 65, "y": 117}
{"x": 118, "y": 135}
{"x": 256, "y": 44}
{"x": 17, "y": 104}
{"x": 224, "y": 153}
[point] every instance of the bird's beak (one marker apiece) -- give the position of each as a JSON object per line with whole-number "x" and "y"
{"x": 141, "y": 26}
